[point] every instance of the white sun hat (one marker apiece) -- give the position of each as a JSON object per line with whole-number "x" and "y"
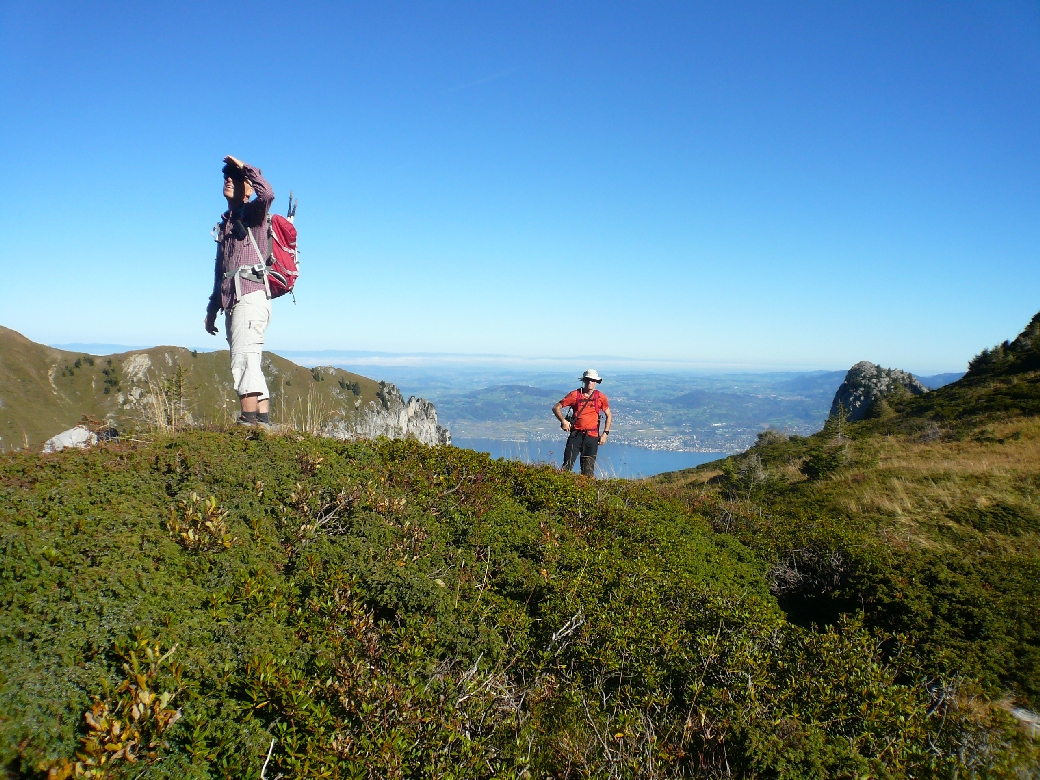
{"x": 591, "y": 374}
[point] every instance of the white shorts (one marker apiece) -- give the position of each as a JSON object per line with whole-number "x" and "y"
{"x": 245, "y": 325}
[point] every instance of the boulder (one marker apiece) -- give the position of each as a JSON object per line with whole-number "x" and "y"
{"x": 75, "y": 438}
{"x": 868, "y": 382}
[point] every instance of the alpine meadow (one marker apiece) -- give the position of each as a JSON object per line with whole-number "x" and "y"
{"x": 219, "y": 603}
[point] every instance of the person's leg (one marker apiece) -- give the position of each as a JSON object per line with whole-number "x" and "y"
{"x": 571, "y": 451}
{"x": 247, "y": 324}
{"x": 589, "y": 450}
{"x": 263, "y": 400}
{"x": 234, "y": 326}
{"x": 250, "y": 403}
{"x": 254, "y": 403}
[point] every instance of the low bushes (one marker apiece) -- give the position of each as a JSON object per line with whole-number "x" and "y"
{"x": 921, "y": 538}
{"x": 387, "y": 609}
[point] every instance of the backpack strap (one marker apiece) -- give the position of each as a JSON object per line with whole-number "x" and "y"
{"x": 594, "y": 398}
{"x": 254, "y": 273}
{"x": 262, "y": 265}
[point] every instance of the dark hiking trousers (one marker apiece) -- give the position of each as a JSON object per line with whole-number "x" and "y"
{"x": 584, "y": 444}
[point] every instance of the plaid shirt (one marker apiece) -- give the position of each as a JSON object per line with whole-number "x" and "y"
{"x": 233, "y": 253}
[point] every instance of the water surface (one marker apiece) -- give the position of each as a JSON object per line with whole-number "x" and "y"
{"x": 614, "y": 460}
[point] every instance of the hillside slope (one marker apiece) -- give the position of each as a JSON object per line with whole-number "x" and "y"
{"x": 182, "y": 608}
{"x": 44, "y": 391}
{"x": 923, "y": 518}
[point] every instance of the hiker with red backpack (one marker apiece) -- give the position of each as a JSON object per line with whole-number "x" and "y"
{"x": 582, "y": 421}
{"x": 256, "y": 261}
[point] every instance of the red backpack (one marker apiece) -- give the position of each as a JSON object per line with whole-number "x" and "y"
{"x": 282, "y": 262}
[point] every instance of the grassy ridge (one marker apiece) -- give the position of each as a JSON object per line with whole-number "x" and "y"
{"x": 44, "y": 391}
{"x": 925, "y": 518}
{"x": 391, "y": 610}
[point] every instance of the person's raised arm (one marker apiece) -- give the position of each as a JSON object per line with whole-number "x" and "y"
{"x": 264, "y": 193}
{"x": 261, "y": 188}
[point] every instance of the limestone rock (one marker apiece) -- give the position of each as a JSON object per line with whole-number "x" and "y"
{"x": 74, "y": 438}
{"x": 393, "y": 418}
{"x": 136, "y": 366}
{"x": 867, "y": 382}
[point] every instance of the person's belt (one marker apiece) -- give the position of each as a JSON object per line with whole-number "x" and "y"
{"x": 253, "y": 273}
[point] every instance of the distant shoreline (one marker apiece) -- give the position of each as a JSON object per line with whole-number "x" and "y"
{"x": 615, "y": 461}
{"x": 650, "y": 446}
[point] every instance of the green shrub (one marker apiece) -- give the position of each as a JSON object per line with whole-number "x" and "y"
{"x": 1001, "y": 517}
{"x": 823, "y": 461}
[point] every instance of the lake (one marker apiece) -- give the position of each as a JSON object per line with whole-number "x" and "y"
{"x": 614, "y": 460}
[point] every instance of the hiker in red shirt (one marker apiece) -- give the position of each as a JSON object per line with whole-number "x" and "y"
{"x": 582, "y": 422}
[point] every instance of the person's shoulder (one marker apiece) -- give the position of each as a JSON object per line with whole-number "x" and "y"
{"x": 570, "y": 398}
{"x": 603, "y": 397}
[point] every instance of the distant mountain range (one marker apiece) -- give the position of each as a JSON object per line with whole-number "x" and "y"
{"x": 936, "y": 381}
{"x": 713, "y": 413}
{"x": 716, "y": 413}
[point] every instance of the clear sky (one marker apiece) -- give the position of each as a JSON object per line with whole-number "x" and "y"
{"x": 800, "y": 185}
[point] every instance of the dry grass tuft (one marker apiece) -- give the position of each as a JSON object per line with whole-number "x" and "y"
{"x": 312, "y": 415}
{"x": 165, "y": 407}
{"x": 913, "y": 484}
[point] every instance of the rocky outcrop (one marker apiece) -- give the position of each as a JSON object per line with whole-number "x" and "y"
{"x": 866, "y": 383}
{"x": 74, "y": 438}
{"x": 391, "y": 417}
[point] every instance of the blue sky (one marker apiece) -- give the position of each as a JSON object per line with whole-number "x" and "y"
{"x": 788, "y": 185}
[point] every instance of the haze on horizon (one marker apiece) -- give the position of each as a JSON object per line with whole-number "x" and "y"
{"x": 764, "y": 185}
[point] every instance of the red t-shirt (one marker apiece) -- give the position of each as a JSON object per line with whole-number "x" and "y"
{"x": 588, "y": 416}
